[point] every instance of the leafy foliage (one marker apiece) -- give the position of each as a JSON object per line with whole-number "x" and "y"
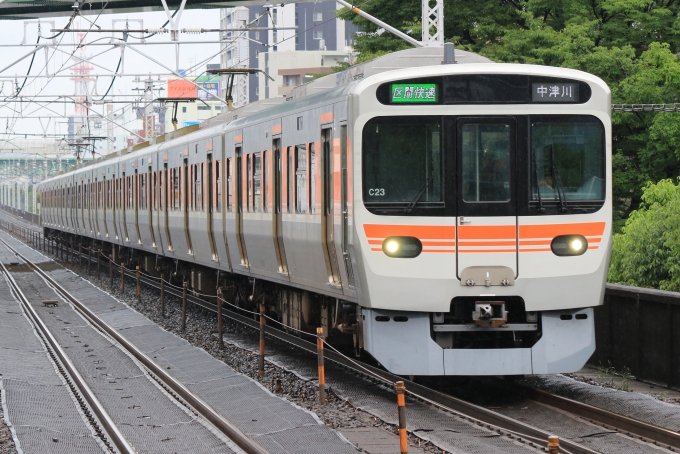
{"x": 647, "y": 252}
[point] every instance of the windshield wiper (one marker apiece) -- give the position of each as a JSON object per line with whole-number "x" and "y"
{"x": 413, "y": 202}
{"x": 558, "y": 182}
{"x": 541, "y": 209}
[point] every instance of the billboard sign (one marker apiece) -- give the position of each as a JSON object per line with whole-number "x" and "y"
{"x": 211, "y": 87}
{"x": 180, "y": 88}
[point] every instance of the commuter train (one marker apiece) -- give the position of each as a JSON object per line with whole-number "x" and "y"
{"x": 447, "y": 219}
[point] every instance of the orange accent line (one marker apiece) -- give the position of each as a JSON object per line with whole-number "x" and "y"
{"x": 376, "y": 249}
{"x": 495, "y": 232}
{"x": 327, "y": 117}
{"x": 535, "y": 250}
{"x": 450, "y": 251}
{"x": 238, "y": 138}
{"x": 438, "y": 243}
{"x": 209, "y": 146}
{"x": 486, "y": 243}
{"x": 434, "y": 232}
{"x": 553, "y": 230}
{"x": 534, "y": 243}
{"x": 276, "y": 129}
{"x": 464, "y": 251}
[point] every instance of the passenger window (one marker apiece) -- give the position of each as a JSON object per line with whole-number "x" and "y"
{"x": 218, "y": 187}
{"x": 567, "y": 158}
{"x": 264, "y": 181}
{"x": 249, "y": 178}
{"x": 257, "y": 182}
{"x": 175, "y": 189}
{"x": 301, "y": 179}
{"x": 229, "y": 171}
{"x": 312, "y": 179}
{"x": 486, "y": 162}
{"x": 402, "y": 161}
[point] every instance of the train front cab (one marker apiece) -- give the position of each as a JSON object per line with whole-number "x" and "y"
{"x": 485, "y": 230}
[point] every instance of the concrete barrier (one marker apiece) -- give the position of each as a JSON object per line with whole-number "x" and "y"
{"x": 27, "y": 216}
{"x": 639, "y": 329}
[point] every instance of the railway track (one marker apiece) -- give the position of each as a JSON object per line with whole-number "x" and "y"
{"x": 482, "y": 416}
{"x": 104, "y": 425}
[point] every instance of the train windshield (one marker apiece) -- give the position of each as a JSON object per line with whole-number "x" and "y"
{"x": 567, "y": 159}
{"x": 403, "y": 161}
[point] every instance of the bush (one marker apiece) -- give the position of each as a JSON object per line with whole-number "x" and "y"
{"x": 647, "y": 252}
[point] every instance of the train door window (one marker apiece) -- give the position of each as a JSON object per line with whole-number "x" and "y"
{"x": 142, "y": 191}
{"x": 228, "y": 171}
{"x": 175, "y": 189}
{"x": 486, "y": 162}
{"x": 301, "y": 179}
{"x": 78, "y": 203}
{"x": 238, "y": 186}
{"x": 197, "y": 187}
{"x": 249, "y": 181}
{"x": 312, "y": 179}
{"x": 265, "y": 175}
{"x": 289, "y": 178}
{"x": 202, "y": 196}
{"x": 257, "y": 182}
{"x": 218, "y": 187}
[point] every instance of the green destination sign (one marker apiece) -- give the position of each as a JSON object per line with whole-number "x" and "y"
{"x": 415, "y": 93}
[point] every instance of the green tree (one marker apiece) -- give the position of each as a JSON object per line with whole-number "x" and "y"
{"x": 647, "y": 252}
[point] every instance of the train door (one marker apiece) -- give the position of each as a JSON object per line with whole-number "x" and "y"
{"x": 277, "y": 224}
{"x": 239, "y": 207}
{"x": 209, "y": 187}
{"x": 114, "y": 201}
{"x": 185, "y": 202}
{"x": 345, "y": 206}
{"x": 151, "y": 201}
{"x": 327, "y": 208}
{"x": 168, "y": 198}
{"x": 136, "y": 200}
{"x": 125, "y": 200}
{"x": 486, "y": 201}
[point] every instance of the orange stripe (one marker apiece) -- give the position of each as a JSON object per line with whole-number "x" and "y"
{"x": 534, "y": 243}
{"x": 435, "y": 232}
{"x": 450, "y": 251}
{"x": 463, "y": 251}
{"x": 238, "y": 138}
{"x": 487, "y": 243}
{"x": 535, "y": 250}
{"x": 495, "y": 232}
{"x": 553, "y": 230}
{"x": 438, "y": 243}
{"x": 276, "y": 129}
{"x": 327, "y": 117}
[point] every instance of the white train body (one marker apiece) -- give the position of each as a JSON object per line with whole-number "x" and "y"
{"x": 466, "y": 229}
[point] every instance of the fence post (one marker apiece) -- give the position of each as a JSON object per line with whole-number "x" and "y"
{"x": 122, "y": 277}
{"x": 162, "y": 294}
{"x": 260, "y": 371}
{"x": 184, "y": 306}
{"x": 139, "y": 287}
{"x": 220, "y": 326}
{"x": 553, "y": 444}
{"x": 322, "y": 372}
{"x": 401, "y": 402}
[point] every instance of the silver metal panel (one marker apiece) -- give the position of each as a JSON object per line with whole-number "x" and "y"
{"x": 565, "y": 345}
{"x": 474, "y": 327}
{"x": 508, "y": 361}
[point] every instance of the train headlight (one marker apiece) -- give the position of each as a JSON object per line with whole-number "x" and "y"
{"x": 403, "y": 247}
{"x": 566, "y": 245}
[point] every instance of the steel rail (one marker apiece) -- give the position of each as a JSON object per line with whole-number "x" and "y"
{"x": 205, "y": 410}
{"x": 624, "y": 423}
{"x": 104, "y": 419}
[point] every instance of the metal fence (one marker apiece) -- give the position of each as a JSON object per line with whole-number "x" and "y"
{"x": 639, "y": 329}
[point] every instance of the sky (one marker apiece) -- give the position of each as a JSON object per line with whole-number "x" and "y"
{"x": 14, "y": 115}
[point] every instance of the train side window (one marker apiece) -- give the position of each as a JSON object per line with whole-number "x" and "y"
{"x": 290, "y": 176}
{"x": 218, "y": 187}
{"x": 198, "y": 171}
{"x": 142, "y": 191}
{"x": 312, "y": 179}
{"x": 249, "y": 167}
{"x": 301, "y": 179}
{"x": 228, "y": 171}
{"x": 257, "y": 182}
{"x": 265, "y": 156}
{"x": 175, "y": 188}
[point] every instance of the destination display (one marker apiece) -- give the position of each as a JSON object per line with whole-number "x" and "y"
{"x": 414, "y": 93}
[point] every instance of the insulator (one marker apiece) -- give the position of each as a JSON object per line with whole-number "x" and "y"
{"x": 157, "y": 30}
{"x": 192, "y": 31}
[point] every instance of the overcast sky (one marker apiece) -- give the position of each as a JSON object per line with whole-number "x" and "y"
{"x": 13, "y": 34}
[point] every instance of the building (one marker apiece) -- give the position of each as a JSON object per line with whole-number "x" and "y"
{"x": 283, "y": 54}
